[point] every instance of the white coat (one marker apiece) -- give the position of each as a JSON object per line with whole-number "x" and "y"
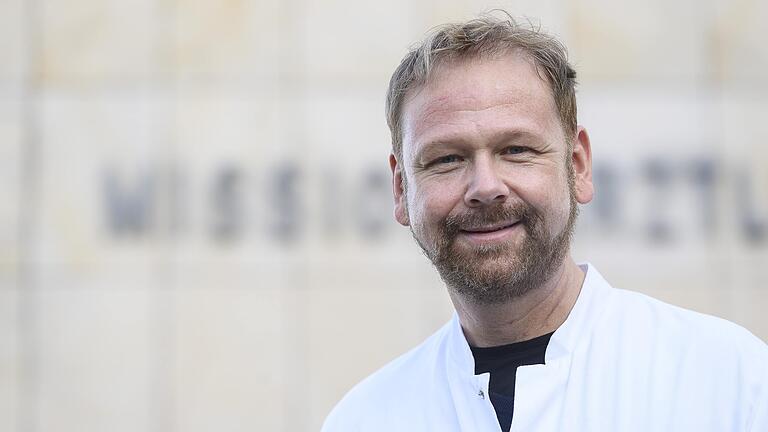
{"x": 621, "y": 361}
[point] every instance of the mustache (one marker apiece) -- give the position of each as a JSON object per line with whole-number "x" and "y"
{"x": 490, "y": 215}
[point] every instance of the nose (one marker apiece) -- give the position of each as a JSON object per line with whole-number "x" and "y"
{"x": 486, "y": 186}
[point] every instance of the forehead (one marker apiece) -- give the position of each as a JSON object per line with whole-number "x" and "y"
{"x": 477, "y": 97}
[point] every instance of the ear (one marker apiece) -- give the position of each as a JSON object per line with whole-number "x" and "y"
{"x": 582, "y": 166}
{"x": 398, "y": 192}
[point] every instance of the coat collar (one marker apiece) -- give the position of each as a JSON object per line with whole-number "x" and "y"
{"x": 564, "y": 341}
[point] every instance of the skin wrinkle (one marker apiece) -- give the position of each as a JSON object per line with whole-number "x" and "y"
{"x": 414, "y": 131}
{"x": 456, "y": 133}
{"x": 438, "y": 107}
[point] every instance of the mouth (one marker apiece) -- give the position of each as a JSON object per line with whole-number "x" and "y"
{"x": 490, "y": 234}
{"x": 490, "y": 228}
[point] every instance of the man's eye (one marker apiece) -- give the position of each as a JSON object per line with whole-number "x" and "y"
{"x": 446, "y": 159}
{"x": 515, "y": 150}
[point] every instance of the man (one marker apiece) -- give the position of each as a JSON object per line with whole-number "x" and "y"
{"x": 489, "y": 166}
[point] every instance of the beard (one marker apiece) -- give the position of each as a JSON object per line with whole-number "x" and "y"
{"x": 498, "y": 273}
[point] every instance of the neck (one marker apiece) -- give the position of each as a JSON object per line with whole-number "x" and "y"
{"x": 540, "y": 311}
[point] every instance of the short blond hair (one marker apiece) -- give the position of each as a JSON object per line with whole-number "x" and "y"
{"x": 486, "y": 35}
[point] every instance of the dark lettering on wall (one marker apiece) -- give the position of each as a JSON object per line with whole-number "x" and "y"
{"x": 753, "y": 226}
{"x": 226, "y": 195}
{"x": 285, "y": 203}
{"x": 151, "y": 202}
{"x": 374, "y": 203}
{"x": 332, "y": 211}
{"x": 658, "y": 175}
{"x": 606, "y": 205}
{"x": 130, "y": 208}
{"x": 703, "y": 175}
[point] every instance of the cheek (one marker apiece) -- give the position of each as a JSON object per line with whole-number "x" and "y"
{"x": 432, "y": 202}
{"x": 548, "y": 191}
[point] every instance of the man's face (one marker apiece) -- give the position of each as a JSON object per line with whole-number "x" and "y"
{"x": 491, "y": 188}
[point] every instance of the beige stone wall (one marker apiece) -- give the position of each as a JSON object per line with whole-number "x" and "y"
{"x": 195, "y": 233}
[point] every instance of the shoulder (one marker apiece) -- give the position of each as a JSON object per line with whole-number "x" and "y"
{"x": 643, "y": 313}
{"x": 707, "y": 358}
{"x": 396, "y": 386}
{"x": 699, "y": 349}
{"x": 675, "y": 360}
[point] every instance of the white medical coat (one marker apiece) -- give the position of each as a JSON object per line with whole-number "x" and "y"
{"x": 621, "y": 361}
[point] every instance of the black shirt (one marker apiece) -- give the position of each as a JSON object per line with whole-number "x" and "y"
{"x": 502, "y": 362}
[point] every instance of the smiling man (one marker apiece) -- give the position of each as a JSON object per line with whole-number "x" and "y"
{"x": 489, "y": 166}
